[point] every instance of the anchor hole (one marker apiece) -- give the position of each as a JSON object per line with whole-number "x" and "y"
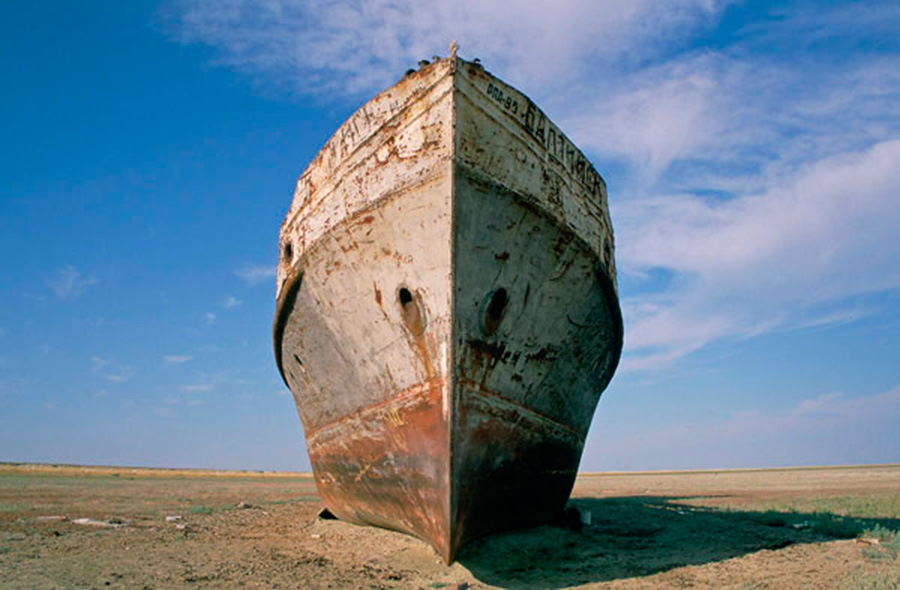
{"x": 411, "y": 311}
{"x": 494, "y": 312}
{"x": 497, "y": 305}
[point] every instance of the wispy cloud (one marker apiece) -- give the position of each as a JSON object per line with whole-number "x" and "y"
{"x": 198, "y": 387}
{"x": 121, "y": 375}
{"x": 728, "y": 122}
{"x": 69, "y": 283}
{"x": 99, "y": 362}
{"x": 210, "y": 317}
{"x": 353, "y": 47}
{"x": 177, "y": 358}
{"x": 256, "y": 273}
{"x": 171, "y": 405}
{"x": 110, "y": 370}
{"x": 204, "y": 383}
{"x": 231, "y": 302}
{"x": 764, "y": 261}
{"x": 829, "y": 428}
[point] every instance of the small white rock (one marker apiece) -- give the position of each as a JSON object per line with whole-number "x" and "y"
{"x": 98, "y": 523}
{"x": 585, "y": 517}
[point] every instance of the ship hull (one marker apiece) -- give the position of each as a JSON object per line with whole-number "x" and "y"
{"x": 447, "y": 335}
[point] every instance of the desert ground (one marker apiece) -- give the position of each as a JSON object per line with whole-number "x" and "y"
{"x": 106, "y": 527}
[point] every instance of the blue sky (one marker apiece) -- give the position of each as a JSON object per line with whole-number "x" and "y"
{"x": 752, "y": 153}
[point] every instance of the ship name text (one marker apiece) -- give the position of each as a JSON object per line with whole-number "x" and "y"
{"x": 549, "y": 136}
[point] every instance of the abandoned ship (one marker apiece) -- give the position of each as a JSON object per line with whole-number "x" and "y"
{"x": 447, "y": 311}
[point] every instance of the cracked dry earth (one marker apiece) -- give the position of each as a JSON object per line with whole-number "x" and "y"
{"x": 74, "y": 527}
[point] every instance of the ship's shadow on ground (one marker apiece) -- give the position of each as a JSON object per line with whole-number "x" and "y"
{"x": 641, "y": 536}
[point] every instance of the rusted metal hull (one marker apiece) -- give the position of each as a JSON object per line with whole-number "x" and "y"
{"x": 447, "y": 311}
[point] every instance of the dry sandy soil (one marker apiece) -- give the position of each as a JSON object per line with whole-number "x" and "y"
{"x": 260, "y": 530}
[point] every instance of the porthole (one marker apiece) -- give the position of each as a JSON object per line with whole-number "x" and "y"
{"x": 493, "y": 313}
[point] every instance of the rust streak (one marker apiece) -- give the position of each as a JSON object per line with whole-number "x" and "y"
{"x": 485, "y": 392}
{"x": 413, "y": 391}
{"x": 377, "y": 295}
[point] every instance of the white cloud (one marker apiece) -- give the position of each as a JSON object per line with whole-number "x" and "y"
{"x": 827, "y": 429}
{"x": 99, "y": 362}
{"x": 110, "y": 370}
{"x": 729, "y": 122}
{"x": 351, "y": 46}
{"x": 122, "y": 375}
{"x": 210, "y": 318}
{"x": 654, "y": 115}
{"x": 177, "y": 358}
{"x": 204, "y": 382}
{"x": 70, "y": 283}
{"x": 231, "y": 302}
{"x": 197, "y": 387}
{"x": 760, "y": 262}
{"x": 830, "y": 412}
{"x": 256, "y": 274}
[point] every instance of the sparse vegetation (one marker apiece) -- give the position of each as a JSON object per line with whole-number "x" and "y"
{"x": 655, "y": 530}
{"x": 292, "y": 500}
{"x": 885, "y": 506}
{"x": 871, "y": 580}
{"x": 200, "y": 510}
{"x": 860, "y": 507}
{"x": 888, "y": 547}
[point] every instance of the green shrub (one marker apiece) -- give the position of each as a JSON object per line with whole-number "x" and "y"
{"x": 888, "y": 547}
